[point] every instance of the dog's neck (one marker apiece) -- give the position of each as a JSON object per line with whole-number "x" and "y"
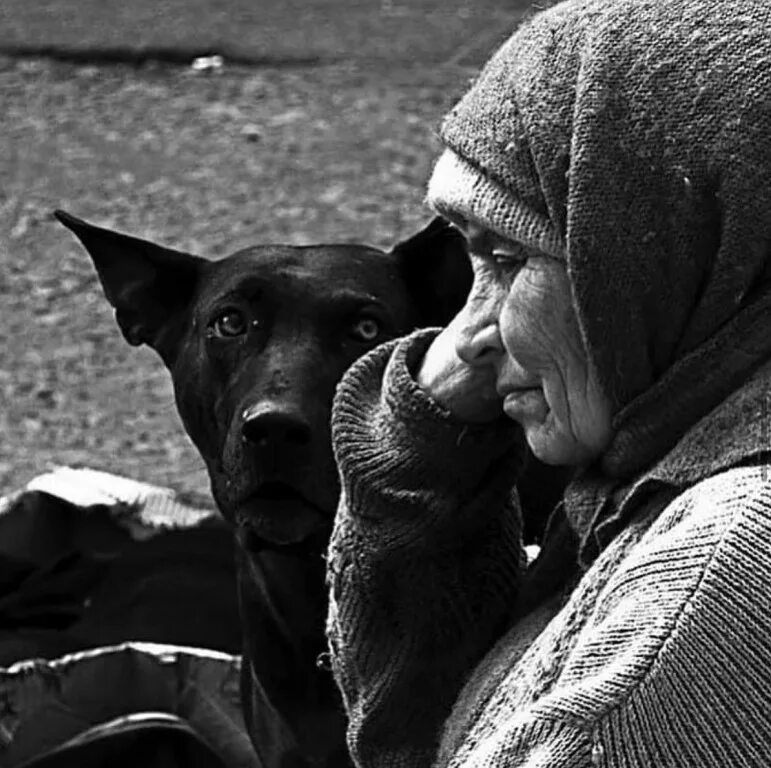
{"x": 282, "y": 598}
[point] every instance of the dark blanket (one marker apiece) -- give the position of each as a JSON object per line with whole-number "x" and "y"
{"x": 71, "y": 580}
{"x": 74, "y": 578}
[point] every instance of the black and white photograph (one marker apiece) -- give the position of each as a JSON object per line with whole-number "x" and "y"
{"x": 385, "y": 384}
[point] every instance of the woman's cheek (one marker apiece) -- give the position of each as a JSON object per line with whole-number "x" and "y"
{"x": 527, "y": 328}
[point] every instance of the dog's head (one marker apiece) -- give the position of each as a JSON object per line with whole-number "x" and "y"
{"x": 256, "y": 343}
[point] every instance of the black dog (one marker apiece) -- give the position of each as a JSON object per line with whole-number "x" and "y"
{"x": 255, "y": 344}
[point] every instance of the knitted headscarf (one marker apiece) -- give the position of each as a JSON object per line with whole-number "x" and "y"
{"x": 632, "y": 138}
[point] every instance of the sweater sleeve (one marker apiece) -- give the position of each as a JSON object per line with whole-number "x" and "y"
{"x": 425, "y": 556}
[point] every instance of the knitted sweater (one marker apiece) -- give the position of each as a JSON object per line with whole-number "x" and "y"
{"x": 657, "y": 656}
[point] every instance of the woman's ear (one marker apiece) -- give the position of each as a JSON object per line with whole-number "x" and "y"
{"x": 436, "y": 269}
{"x": 149, "y": 286}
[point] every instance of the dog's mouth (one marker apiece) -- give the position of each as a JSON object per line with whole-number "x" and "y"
{"x": 277, "y": 516}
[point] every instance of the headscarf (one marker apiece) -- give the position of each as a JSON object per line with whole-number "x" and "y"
{"x": 632, "y": 138}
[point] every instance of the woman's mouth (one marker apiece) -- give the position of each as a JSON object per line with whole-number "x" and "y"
{"x": 526, "y": 404}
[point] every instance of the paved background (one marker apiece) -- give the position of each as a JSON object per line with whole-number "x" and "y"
{"x": 320, "y": 127}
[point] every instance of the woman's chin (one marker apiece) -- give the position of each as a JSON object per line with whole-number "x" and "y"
{"x": 555, "y": 449}
{"x": 548, "y": 439}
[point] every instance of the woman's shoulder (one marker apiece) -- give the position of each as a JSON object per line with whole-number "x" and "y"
{"x": 680, "y": 625}
{"x": 724, "y": 507}
{"x": 701, "y": 569}
{"x": 658, "y": 656}
{"x": 705, "y": 539}
{"x": 733, "y": 485}
{"x": 704, "y": 562}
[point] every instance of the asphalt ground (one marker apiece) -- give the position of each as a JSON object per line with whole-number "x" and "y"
{"x": 320, "y": 127}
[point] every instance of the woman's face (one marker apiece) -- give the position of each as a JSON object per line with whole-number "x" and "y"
{"x": 519, "y": 320}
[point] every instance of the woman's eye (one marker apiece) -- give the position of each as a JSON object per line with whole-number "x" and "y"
{"x": 366, "y": 329}
{"x": 228, "y": 324}
{"x": 508, "y": 260}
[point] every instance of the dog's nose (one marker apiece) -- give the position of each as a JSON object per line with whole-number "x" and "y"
{"x": 271, "y": 426}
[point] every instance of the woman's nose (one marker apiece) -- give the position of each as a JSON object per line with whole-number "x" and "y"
{"x": 479, "y": 341}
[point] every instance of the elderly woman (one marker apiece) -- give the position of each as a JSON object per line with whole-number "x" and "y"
{"x": 611, "y": 170}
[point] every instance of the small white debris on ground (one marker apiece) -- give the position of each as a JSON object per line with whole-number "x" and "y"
{"x": 208, "y": 64}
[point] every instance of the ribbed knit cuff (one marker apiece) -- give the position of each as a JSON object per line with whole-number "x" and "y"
{"x": 461, "y": 192}
{"x": 395, "y": 444}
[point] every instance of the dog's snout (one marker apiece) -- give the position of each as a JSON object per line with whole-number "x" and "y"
{"x": 275, "y": 427}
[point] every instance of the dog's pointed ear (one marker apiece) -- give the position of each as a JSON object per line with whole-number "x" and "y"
{"x": 435, "y": 266}
{"x": 148, "y": 285}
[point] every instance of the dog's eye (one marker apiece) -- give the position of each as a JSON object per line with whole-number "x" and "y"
{"x": 366, "y": 329}
{"x": 227, "y": 324}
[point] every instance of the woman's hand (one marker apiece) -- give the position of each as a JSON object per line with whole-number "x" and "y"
{"x": 468, "y": 392}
